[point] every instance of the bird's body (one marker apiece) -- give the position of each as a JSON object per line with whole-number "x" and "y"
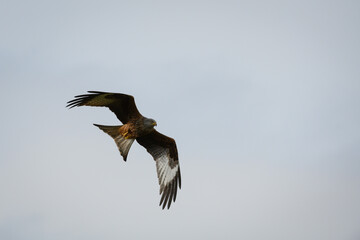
{"x": 139, "y": 128}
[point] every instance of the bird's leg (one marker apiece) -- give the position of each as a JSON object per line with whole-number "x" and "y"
{"x": 127, "y": 134}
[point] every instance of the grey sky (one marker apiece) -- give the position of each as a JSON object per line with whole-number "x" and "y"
{"x": 262, "y": 98}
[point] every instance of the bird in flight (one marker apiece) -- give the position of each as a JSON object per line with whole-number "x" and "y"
{"x": 137, "y": 127}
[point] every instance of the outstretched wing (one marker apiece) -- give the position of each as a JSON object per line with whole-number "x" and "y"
{"x": 121, "y": 104}
{"x": 164, "y": 151}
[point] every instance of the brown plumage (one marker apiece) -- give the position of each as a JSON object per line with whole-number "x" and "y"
{"x": 137, "y": 127}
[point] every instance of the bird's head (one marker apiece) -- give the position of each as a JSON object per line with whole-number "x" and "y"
{"x": 149, "y": 123}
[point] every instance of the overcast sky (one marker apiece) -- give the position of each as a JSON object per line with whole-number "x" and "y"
{"x": 262, "y": 98}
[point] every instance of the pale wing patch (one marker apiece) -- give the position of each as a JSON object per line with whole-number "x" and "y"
{"x": 165, "y": 173}
{"x": 168, "y": 172}
{"x": 99, "y": 101}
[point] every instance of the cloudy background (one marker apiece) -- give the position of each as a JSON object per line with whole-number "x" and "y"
{"x": 262, "y": 97}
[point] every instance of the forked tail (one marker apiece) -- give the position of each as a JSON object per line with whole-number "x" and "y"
{"x": 122, "y": 143}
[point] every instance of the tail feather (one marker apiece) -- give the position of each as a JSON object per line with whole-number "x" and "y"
{"x": 122, "y": 143}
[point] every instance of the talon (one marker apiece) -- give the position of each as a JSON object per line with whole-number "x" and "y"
{"x": 125, "y": 135}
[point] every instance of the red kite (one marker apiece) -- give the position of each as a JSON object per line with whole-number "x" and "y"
{"x": 137, "y": 127}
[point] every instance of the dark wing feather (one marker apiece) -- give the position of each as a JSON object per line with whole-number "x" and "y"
{"x": 164, "y": 151}
{"x": 121, "y": 104}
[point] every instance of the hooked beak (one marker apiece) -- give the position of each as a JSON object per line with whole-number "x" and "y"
{"x": 154, "y": 124}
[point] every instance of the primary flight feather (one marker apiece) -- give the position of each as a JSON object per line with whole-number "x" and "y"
{"x": 137, "y": 127}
